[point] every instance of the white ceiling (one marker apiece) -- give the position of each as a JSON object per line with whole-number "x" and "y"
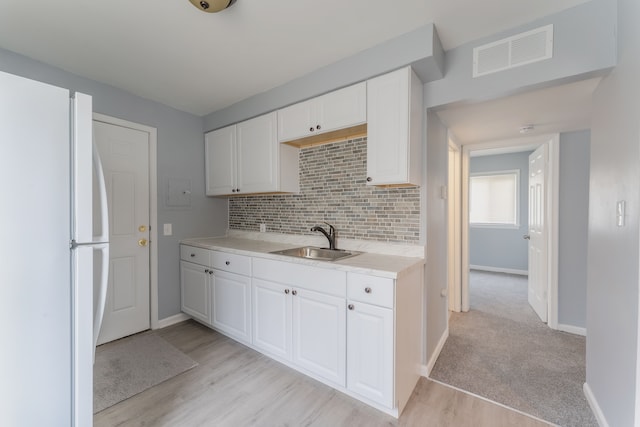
{"x": 170, "y": 52}
{"x": 557, "y": 109}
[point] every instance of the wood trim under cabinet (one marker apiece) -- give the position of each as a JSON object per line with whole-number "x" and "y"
{"x": 352, "y": 132}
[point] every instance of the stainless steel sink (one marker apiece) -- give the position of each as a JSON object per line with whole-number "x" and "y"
{"x": 320, "y": 254}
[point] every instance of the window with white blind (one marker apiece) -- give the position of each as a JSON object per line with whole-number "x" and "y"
{"x": 494, "y": 199}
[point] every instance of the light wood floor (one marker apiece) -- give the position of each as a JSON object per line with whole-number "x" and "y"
{"x": 236, "y": 386}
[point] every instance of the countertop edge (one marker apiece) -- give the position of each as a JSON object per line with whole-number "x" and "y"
{"x": 388, "y": 266}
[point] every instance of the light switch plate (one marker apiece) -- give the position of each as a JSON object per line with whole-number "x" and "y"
{"x": 167, "y": 229}
{"x": 620, "y": 213}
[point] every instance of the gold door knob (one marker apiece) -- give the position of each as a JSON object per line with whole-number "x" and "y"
{"x": 142, "y": 228}
{"x": 142, "y": 242}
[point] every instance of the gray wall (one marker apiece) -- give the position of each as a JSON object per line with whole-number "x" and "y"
{"x": 613, "y": 252}
{"x": 583, "y": 44}
{"x": 502, "y": 247}
{"x": 180, "y": 156}
{"x": 333, "y": 188}
{"x": 436, "y": 213}
{"x": 572, "y": 241}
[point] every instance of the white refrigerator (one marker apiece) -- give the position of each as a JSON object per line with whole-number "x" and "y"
{"x": 53, "y": 253}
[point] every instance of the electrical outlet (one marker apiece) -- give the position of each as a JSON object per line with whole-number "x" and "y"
{"x": 263, "y": 228}
{"x": 167, "y": 230}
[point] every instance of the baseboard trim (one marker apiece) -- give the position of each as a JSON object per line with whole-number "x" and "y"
{"x": 172, "y": 320}
{"x": 572, "y": 329}
{"x": 499, "y": 270}
{"x": 426, "y": 370}
{"x": 595, "y": 408}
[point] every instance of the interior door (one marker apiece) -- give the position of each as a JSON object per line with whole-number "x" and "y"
{"x": 125, "y": 160}
{"x": 538, "y": 260}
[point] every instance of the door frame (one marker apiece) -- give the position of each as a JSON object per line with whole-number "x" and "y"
{"x": 553, "y": 193}
{"x": 153, "y": 206}
{"x": 454, "y": 223}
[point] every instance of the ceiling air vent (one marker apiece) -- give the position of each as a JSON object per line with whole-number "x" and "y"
{"x": 521, "y": 49}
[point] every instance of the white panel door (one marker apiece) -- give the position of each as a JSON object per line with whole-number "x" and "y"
{"x": 125, "y": 159}
{"x": 538, "y": 260}
{"x": 272, "y": 318}
{"x": 231, "y": 304}
{"x": 370, "y": 352}
{"x": 319, "y": 334}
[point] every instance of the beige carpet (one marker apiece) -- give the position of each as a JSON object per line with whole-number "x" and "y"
{"x": 129, "y": 366}
{"x": 502, "y": 351}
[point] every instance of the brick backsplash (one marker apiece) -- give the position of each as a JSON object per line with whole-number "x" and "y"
{"x": 333, "y": 189}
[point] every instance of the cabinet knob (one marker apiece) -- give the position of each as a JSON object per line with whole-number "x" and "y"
{"x": 351, "y": 306}
{"x": 210, "y": 271}
{"x": 206, "y": 270}
{"x": 369, "y": 179}
{"x": 311, "y": 129}
{"x": 233, "y": 190}
{"x": 227, "y": 262}
{"x": 286, "y": 291}
{"x": 367, "y": 290}
{"x": 318, "y": 127}
{"x": 294, "y": 292}
{"x": 237, "y": 190}
{"x": 192, "y": 255}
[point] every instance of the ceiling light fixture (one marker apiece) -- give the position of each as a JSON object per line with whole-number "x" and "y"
{"x": 526, "y": 128}
{"x": 212, "y": 6}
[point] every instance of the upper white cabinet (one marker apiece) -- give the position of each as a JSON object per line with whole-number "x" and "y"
{"x": 340, "y": 109}
{"x": 246, "y": 158}
{"x": 394, "y": 129}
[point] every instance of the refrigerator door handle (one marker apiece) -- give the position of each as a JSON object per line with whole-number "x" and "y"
{"x": 102, "y": 293}
{"x": 102, "y": 195}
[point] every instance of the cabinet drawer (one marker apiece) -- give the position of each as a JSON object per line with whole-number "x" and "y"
{"x": 196, "y": 255}
{"x": 232, "y": 263}
{"x": 326, "y": 281}
{"x": 370, "y": 289}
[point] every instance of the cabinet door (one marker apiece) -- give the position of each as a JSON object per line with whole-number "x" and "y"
{"x": 296, "y": 121}
{"x": 272, "y": 318}
{"x": 370, "y": 352}
{"x": 194, "y": 285}
{"x": 319, "y": 334}
{"x": 220, "y": 161}
{"x": 257, "y": 148}
{"x": 388, "y": 128}
{"x": 342, "y": 108}
{"x": 231, "y": 304}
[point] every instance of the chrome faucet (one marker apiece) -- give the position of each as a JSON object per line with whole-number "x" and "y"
{"x": 331, "y": 235}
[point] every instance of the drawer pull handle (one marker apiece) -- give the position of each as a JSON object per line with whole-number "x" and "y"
{"x": 351, "y": 306}
{"x": 286, "y": 291}
{"x": 367, "y": 290}
{"x": 192, "y": 255}
{"x": 294, "y": 292}
{"x": 228, "y": 262}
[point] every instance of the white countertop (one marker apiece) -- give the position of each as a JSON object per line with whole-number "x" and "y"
{"x": 390, "y": 266}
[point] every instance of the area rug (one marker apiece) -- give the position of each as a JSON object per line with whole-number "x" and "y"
{"x": 129, "y": 366}
{"x": 502, "y": 351}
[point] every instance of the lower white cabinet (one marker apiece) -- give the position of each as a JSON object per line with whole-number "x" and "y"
{"x": 305, "y": 327}
{"x": 319, "y": 334}
{"x": 370, "y": 352}
{"x": 194, "y": 279}
{"x": 356, "y": 332}
{"x": 272, "y": 318}
{"x": 231, "y": 304}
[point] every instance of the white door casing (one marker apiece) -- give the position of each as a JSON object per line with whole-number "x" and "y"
{"x": 552, "y": 213}
{"x": 125, "y": 156}
{"x": 537, "y": 234}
